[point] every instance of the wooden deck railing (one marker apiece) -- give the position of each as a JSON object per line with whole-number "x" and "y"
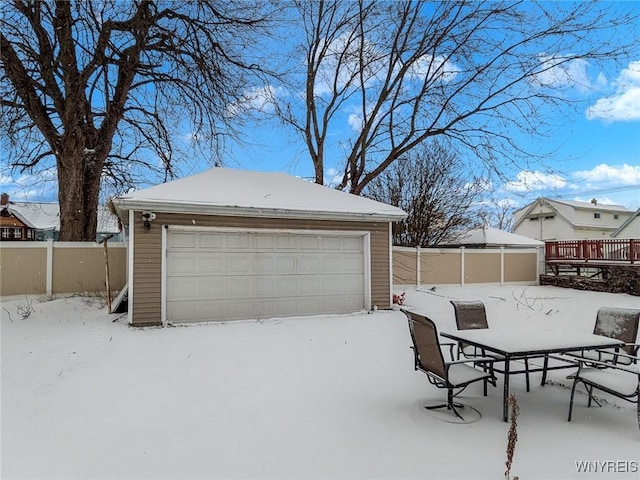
{"x": 596, "y": 251}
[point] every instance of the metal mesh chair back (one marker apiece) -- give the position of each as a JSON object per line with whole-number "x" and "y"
{"x": 470, "y": 315}
{"x": 618, "y": 323}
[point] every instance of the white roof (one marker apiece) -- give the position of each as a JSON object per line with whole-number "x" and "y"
{"x": 494, "y": 237}
{"x": 46, "y": 216}
{"x": 225, "y": 191}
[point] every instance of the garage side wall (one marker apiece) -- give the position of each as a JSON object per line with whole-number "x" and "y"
{"x": 147, "y": 262}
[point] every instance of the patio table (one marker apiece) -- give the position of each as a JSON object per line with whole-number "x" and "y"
{"x": 524, "y": 343}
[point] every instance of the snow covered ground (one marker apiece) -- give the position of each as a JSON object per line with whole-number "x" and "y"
{"x": 84, "y": 396}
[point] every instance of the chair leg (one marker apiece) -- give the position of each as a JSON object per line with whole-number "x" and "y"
{"x": 526, "y": 372}
{"x": 544, "y": 370}
{"x": 450, "y": 405}
{"x": 573, "y": 391}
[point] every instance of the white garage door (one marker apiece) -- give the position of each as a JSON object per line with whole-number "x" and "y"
{"x": 217, "y": 275}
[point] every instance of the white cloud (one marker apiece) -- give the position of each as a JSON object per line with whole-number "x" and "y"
{"x": 355, "y": 122}
{"x": 609, "y": 175}
{"x": 527, "y": 181}
{"x": 434, "y": 66}
{"x": 601, "y": 200}
{"x": 624, "y": 104}
{"x": 561, "y": 72}
{"x": 332, "y": 177}
{"x": 259, "y": 99}
{"x": 30, "y": 187}
{"x": 340, "y": 65}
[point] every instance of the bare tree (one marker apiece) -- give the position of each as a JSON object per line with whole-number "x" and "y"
{"x": 470, "y": 72}
{"x": 499, "y": 213}
{"x": 97, "y": 91}
{"x": 429, "y": 184}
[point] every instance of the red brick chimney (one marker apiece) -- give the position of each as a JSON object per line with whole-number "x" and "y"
{"x": 4, "y": 199}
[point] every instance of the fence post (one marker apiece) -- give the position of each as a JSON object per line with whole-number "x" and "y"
{"x": 418, "y": 276}
{"x": 49, "y": 268}
{"x": 502, "y": 266}
{"x": 461, "y": 265}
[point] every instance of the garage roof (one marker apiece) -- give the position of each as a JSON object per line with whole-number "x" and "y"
{"x": 226, "y": 191}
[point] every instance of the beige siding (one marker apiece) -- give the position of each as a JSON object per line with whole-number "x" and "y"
{"x": 23, "y": 271}
{"x": 147, "y": 274}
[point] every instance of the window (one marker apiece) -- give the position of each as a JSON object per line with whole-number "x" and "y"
{"x": 596, "y": 215}
{"x": 549, "y": 217}
{"x": 533, "y": 219}
{"x": 615, "y": 216}
{"x": 5, "y": 233}
{"x": 17, "y": 233}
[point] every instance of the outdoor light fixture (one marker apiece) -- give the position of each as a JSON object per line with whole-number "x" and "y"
{"x": 147, "y": 218}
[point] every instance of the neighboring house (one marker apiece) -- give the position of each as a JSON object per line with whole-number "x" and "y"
{"x": 41, "y": 221}
{"x": 547, "y": 219}
{"x": 230, "y": 244}
{"x": 13, "y": 226}
{"x": 630, "y": 228}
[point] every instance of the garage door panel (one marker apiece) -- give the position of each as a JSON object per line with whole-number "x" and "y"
{"x": 237, "y": 264}
{"x": 211, "y": 241}
{"x": 352, "y": 244}
{"x": 234, "y": 275}
{"x": 182, "y": 240}
{"x": 309, "y": 242}
{"x": 352, "y": 264}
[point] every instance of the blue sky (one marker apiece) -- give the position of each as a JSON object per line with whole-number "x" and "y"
{"x": 595, "y": 147}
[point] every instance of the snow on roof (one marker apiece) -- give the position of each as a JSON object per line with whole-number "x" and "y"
{"x": 494, "y": 237}
{"x": 46, "y": 216}
{"x": 590, "y": 205}
{"x": 226, "y": 191}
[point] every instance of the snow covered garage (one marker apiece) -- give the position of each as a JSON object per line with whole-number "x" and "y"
{"x": 230, "y": 244}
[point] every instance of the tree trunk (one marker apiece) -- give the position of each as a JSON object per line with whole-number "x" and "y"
{"x": 79, "y": 188}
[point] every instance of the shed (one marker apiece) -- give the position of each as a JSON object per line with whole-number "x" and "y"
{"x": 230, "y": 244}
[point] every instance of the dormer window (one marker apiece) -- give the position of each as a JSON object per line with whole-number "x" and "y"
{"x": 615, "y": 216}
{"x": 596, "y": 215}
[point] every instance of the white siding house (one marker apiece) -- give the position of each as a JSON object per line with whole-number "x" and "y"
{"x": 547, "y": 219}
{"x": 630, "y": 228}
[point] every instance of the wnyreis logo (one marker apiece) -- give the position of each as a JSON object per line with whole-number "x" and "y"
{"x": 607, "y": 466}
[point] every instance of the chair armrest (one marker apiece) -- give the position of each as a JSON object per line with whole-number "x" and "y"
{"x": 473, "y": 360}
{"x": 451, "y": 346}
{"x": 619, "y": 354}
{"x": 613, "y": 366}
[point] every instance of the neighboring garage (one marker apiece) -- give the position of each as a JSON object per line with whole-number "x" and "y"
{"x": 230, "y": 244}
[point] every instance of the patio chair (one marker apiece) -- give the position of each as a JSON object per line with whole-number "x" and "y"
{"x": 450, "y": 375}
{"x": 471, "y": 315}
{"x": 621, "y": 381}
{"x": 618, "y": 323}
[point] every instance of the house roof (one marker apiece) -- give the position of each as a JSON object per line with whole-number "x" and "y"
{"x": 226, "y": 191}
{"x": 626, "y": 223}
{"x": 46, "y": 216}
{"x": 18, "y": 215}
{"x": 493, "y": 237}
{"x": 589, "y": 205}
{"x": 566, "y": 209}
